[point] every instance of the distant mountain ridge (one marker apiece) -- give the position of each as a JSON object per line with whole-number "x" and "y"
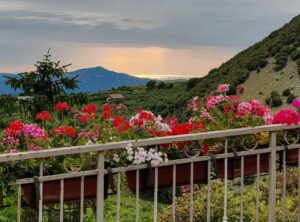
{"x": 91, "y": 80}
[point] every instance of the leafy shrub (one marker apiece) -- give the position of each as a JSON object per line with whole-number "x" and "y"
{"x": 151, "y": 84}
{"x": 295, "y": 55}
{"x": 234, "y": 201}
{"x": 161, "y": 85}
{"x": 280, "y": 63}
{"x": 290, "y": 98}
{"x": 286, "y": 92}
{"x": 274, "y": 100}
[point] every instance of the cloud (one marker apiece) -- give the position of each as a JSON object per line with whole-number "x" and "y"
{"x": 30, "y": 26}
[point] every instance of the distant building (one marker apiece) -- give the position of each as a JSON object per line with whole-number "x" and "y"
{"x": 114, "y": 99}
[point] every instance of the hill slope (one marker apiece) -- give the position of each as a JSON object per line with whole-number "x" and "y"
{"x": 91, "y": 80}
{"x": 271, "y": 64}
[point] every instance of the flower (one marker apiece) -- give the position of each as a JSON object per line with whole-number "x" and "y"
{"x": 32, "y": 130}
{"x": 121, "y": 124}
{"x": 106, "y": 112}
{"x": 244, "y": 108}
{"x": 194, "y": 104}
{"x": 142, "y": 118}
{"x": 43, "y": 116}
{"x": 14, "y": 128}
{"x": 223, "y": 88}
{"x": 286, "y": 116}
{"x": 212, "y": 101}
{"x": 90, "y": 108}
{"x": 296, "y": 103}
{"x": 61, "y": 106}
{"x": 64, "y": 130}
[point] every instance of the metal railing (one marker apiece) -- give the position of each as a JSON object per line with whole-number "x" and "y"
{"x": 100, "y": 172}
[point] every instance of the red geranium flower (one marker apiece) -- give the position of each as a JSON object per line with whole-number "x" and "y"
{"x": 64, "y": 130}
{"x": 43, "y": 116}
{"x": 121, "y": 124}
{"x": 90, "y": 108}
{"x": 14, "y": 128}
{"x": 106, "y": 112}
{"x": 61, "y": 106}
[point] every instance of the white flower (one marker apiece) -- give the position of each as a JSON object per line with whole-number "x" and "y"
{"x": 116, "y": 158}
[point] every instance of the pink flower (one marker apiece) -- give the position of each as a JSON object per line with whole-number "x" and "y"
{"x": 244, "y": 108}
{"x": 213, "y": 101}
{"x": 223, "y": 88}
{"x": 32, "y": 130}
{"x": 194, "y": 104}
{"x": 206, "y": 115}
{"x": 296, "y": 103}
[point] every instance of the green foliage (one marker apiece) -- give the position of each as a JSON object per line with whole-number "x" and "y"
{"x": 286, "y": 92}
{"x": 274, "y": 100}
{"x": 280, "y": 63}
{"x": 290, "y": 98}
{"x": 45, "y": 84}
{"x": 191, "y": 83}
{"x": 151, "y": 84}
{"x": 295, "y": 55}
{"x": 234, "y": 201}
{"x": 161, "y": 85}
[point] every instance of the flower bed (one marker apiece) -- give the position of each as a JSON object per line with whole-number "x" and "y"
{"x": 69, "y": 126}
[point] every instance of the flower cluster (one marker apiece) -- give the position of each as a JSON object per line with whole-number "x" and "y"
{"x": 286, "y": 116}
{"x": 223, "y": 88}
{"x": 212, "y": 101}
{"x": 107, "y": 112}
{"x": 62, "y": 106}
{"x": 64, "y": 131}
{"x": 140, "y": 155}
{"x": 43, "y": 116}
{"x": 121, "y": 123}
{"x": 296, "y": 103}
{"x": 90, "y": 108}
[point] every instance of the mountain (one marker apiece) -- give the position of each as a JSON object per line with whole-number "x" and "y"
{"x": 272, "y": 64}
{"x": 91, "y": 80}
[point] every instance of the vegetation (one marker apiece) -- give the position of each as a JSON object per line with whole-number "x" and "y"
{"x": 234, "y": 201}
{"x": 45, "y": 85}
{"x": 274, "y": 100}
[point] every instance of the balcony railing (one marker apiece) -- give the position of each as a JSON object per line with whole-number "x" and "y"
{"x": 100, "y": 172}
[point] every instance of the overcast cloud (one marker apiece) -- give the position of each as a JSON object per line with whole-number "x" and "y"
{"x": 29, "y": 27}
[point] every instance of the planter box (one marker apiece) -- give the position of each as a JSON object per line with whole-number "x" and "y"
{"x": 250, "y": 166}
{"x": 291, "y": 156}
{"x": 72, "y": 187}
{"x": 165, "y": 176}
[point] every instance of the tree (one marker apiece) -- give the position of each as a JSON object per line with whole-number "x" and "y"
{"x": 48, "y": 81}
{"x": 161, "y": 85}
{"x": 151, "y": 84}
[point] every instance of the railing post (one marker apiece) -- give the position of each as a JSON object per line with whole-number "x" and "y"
{"x": 225, "y": 219}
{"x": 272, "y": 179}
{"x": 100, "y": 188}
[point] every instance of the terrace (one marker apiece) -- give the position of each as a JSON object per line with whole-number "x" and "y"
{"x": 201, "y": 172}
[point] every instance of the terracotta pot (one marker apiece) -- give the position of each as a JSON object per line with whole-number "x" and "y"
{"x": 234, "y": 165}
{"x": 165, "y": 176}
{"x": 51, "y": 190}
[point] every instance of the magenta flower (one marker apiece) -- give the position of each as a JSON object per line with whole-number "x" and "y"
{"x": 296, "y": 103}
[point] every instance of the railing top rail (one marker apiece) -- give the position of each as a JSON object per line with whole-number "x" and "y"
{"x": 144, "y": 142}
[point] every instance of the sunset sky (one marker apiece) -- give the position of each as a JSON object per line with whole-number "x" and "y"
{"x": 152, "y": 38}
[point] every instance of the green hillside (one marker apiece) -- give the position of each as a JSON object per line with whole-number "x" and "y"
{"x": 272, "y": 64}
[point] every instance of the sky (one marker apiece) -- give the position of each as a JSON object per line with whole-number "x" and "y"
{"x": 149, "y": 38}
